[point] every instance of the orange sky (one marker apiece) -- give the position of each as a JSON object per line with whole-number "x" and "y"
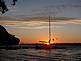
{"x": 35, "y": 31}
{"x": 28, "y": 20}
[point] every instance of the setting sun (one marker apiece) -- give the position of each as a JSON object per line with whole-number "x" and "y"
{"x": 47, "y": 43}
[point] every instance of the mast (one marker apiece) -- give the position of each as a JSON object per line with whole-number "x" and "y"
{"x": 49, "y": 31}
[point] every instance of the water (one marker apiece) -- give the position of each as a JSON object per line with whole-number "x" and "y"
{"x": 70, "y": 54}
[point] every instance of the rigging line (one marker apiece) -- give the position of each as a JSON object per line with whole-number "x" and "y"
{"x": 49, "y": 30}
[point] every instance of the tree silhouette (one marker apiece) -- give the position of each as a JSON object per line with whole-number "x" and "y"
{"x": 14, "y": 2}
{"x": 7, "y": 38}
{"x": 3, "y": 6}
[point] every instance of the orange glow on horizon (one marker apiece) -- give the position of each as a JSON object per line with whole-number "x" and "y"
{"x": 47, "y": 43}
{"x": 43, "y": 40}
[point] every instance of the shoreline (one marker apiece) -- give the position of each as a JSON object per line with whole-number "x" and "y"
{"x": 42, "y": 46}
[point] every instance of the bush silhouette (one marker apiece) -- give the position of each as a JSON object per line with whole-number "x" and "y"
{"x": 6, "y": 38}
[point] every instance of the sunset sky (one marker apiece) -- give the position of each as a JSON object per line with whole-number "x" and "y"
{"x": 28, "y": 20}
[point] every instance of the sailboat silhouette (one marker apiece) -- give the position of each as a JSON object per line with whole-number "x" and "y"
{"x": 47, "y": 45}
{"x": 49, "y": 30}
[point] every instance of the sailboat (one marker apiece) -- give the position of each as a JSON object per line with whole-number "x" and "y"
{"x": 46, "y": 45}
{"x": 49, "y": 31}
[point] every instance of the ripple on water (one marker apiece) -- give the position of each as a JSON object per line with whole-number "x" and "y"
{"x": 41, "y": 55}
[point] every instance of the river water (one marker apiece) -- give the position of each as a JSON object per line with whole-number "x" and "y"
{"x": 70, "y": 54}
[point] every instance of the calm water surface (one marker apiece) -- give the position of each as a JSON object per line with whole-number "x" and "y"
{"x": 41, "y": 55}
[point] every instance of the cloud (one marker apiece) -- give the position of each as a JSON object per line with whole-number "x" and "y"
{"x": 38, "y": 21}
{"x": 43, "y": 12}
{"x": 75, "y": 21}
{"x": 27, "y": 25}
{"x": 40, "y": 27}
{"x": 59, "y": 20}
{"x": 54, "y": 9}
{"x": 36, "y": 25}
